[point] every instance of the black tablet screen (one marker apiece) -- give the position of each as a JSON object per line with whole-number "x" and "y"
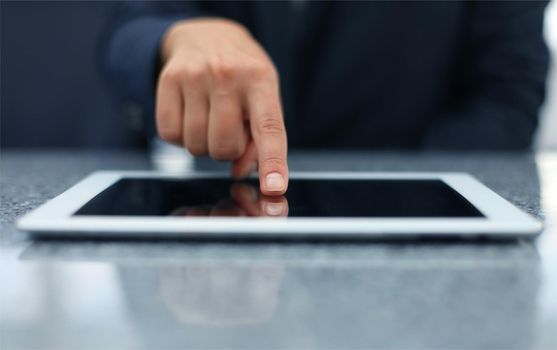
{"x": 305, "y": 198}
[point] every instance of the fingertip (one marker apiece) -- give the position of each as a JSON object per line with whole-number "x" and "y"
{"x": 273, "y": 183}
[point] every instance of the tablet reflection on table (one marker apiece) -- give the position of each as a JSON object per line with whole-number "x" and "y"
{"x": 221, "y": 294}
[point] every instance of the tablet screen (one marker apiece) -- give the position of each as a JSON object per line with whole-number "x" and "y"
{"x": 305, "y": 198}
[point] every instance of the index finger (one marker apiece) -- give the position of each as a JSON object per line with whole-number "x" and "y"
{"x": 269, "y": 135}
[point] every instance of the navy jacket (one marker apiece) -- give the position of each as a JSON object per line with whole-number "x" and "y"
{"x": 373, "y": 75}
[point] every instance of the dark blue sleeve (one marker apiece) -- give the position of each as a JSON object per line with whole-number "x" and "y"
{"x": 130, "y": 49}
{"x": 501, "y": 80}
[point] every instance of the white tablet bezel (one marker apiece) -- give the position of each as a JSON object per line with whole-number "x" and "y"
{"x": 502, "y": 219}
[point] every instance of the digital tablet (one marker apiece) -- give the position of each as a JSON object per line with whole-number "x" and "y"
{"x": 338, "y": 204}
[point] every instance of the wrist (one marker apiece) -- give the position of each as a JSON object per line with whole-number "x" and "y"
{"x": 180, "y": 30}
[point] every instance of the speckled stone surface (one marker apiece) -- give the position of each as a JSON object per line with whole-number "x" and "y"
{"x": 265, "y": 295}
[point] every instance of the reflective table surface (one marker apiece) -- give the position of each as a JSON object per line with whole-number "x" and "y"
{"x": 239, "y": 294}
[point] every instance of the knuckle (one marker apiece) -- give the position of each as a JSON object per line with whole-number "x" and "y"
{"x": 171, "y": 75}
{"x": 222, "y": 70}
{"x": 271, "y": 124}
{"x": 194, "y": 72}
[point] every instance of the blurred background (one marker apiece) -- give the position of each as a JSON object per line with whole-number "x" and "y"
{"x": 50, "y": 79}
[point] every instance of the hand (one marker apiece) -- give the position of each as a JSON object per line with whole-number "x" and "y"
{"x": 244, "y": 201}
{"x": 218, "y": 94}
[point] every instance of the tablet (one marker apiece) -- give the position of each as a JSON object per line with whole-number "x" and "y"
{"x": 338, "y": 204}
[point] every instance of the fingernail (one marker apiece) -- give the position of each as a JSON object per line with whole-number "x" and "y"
{"x": 274, "y": 209}
{"x": 274, "y": 182}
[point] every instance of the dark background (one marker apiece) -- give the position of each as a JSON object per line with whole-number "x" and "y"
{"x": 50, "y": 78}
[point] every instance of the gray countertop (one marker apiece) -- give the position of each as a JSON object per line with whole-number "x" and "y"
{"x": 71, "y": 294}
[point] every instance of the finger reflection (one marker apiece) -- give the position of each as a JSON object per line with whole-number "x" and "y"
{"x": 245, "y": 200}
